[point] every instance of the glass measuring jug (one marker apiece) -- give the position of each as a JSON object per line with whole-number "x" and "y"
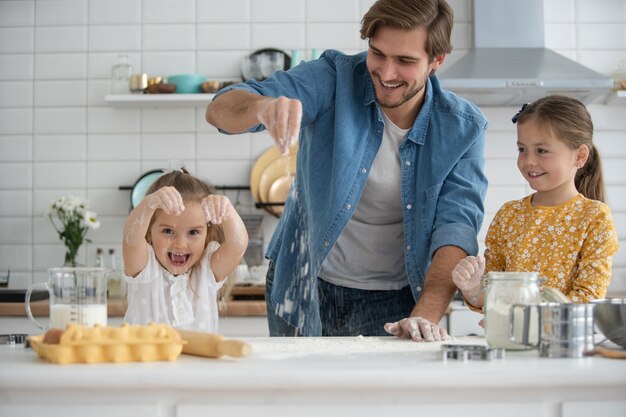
{"x": 504, "y": 289}
{"x": 77, "y": 296}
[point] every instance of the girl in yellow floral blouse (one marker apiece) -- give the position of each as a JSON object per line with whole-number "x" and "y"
{"x": 563, "y": 231}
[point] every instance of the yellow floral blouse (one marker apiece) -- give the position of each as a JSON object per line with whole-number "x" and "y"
{"x": 571, "y": 245}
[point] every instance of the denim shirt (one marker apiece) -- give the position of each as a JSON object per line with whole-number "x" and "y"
{"x": 442, "y": 184}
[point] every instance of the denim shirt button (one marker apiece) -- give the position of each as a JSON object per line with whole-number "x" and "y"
{"x": 409, "y": 207}
{"x": 418, "y": 288}
{"x": 348, "y": 206}
{"x": 326, "y": 243}
{"x": 363, "y": 170}
{"x": 407, "y": 163}
{"x": 408, "y": 247}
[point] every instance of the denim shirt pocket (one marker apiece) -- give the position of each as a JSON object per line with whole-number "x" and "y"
{"x": 429, "y": 208}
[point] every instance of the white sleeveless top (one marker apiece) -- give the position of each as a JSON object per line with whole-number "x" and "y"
{"x": 187, "y": 301}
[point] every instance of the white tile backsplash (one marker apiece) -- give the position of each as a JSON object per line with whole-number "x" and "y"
{"x": 168, "y": 145}
{"x": 333, "y": 11}
{"x": 110, "y": 120}
{"x": 61, "y": 12}
{"x": 16, "y": 230}
{"x": 114, "y": 11}
{"x": 17, "y": 13}
{"x": 16, "y": 148}
{"x": 60, "y": 120}
{"x": 179, "y": 37}
{"x": 215, "y": 36}
{"x": 16, "y": 40}
{"x": 231, "y": 11}
{"x": 61, "y": 39}
{"x": 60, "y": 93}
{"x": 278, "y": 10}
{"x": 16, "y": 67}
{"x": 16, "y": 175}
{"x": 114, "y": 147}
{"x": 168, "y": 120}
{"x": 61, "y": 174}
{"x": 60, "y": 66}
{"x": 16, "y": 93}
{"x": 115, "y": 38}
{"x": 111, "y": 174}
{"x": 16, "y": 120}
{"x": 278, "y": 35}
{"x": 169, "y": 11}
{"x": 58, "y": 136}
{"x": 60, "y": 147}
{"x": 16, "y": 203}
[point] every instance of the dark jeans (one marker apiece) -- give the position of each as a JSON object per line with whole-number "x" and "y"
{"x": 348, "y": 311}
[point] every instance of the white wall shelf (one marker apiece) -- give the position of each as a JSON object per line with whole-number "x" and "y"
{"x": 158, "y": 100}
{"x": 617, "y": 98}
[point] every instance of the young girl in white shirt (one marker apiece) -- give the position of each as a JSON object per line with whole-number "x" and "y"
{"x": 180, "y": 244}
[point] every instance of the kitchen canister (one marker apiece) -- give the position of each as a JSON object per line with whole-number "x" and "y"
{"x": 564, "y": 331}
{"x": 505, "y": 289}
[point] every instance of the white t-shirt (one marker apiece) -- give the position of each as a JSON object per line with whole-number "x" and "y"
{"x": 187, "y": 301}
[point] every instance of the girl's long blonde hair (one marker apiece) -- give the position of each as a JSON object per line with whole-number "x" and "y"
{"x": 194, "y": 189}
{"x": 568, "y": 120}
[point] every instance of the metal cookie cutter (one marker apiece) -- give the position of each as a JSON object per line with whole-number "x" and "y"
{"x": 467, "y": 352}
{"x": 13, "y": 339}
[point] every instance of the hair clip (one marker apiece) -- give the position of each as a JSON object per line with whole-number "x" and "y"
{"x": 174, "y": 166}
{"x": 514, "y": 119}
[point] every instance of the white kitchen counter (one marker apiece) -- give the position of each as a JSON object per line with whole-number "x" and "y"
{"x": 317, "y": 376}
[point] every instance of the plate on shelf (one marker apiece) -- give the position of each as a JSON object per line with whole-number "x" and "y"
{"x": 261, "y": 164}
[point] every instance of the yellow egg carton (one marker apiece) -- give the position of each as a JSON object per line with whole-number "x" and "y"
{"x": 126, "y": 343}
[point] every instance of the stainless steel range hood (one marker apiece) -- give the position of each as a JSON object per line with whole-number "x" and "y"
{"x": 509, "y": 64}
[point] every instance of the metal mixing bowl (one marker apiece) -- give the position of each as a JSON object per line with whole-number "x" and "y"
{"x": 610, "y": 317}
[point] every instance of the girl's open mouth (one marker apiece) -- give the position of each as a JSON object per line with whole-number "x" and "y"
{"x": 178, "y": 259}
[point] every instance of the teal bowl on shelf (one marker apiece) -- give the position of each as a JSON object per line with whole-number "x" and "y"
{"x": 187, "y": 83}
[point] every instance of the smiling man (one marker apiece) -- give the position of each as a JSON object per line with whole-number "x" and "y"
{"x": 389, "y": 188}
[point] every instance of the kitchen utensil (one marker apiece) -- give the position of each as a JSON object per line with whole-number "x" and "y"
{"x": 187, "y": 83}
{"x": 141, "y": 186}
{"x": 505, "y": 289}
{"x": 138, "y": 83}
{"x": 77, "y": 296}
{"x": 473, "y": 352}
{"x": 261, "y": 163}
{"x": 213, "y": 345}
{"x": 564, "y": 331}
{"x": 610, "y": 317}
{"x": 283, "y": 166}
{"x": 260, "y": 64}
{"x": 12, "y": 339}
{"x": 279, "y": 191}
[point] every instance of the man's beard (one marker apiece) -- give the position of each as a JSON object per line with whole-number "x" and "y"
{"x": 407, "y": 96}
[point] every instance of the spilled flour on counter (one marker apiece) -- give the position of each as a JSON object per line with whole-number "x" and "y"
{"x": 279, "y": 348}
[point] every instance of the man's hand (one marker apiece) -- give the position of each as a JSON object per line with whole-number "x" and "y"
{"x": 281, "y": 117}
{"x": 417, "y": 328}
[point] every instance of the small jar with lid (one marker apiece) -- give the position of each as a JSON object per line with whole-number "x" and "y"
{"x": 505, "y": 289}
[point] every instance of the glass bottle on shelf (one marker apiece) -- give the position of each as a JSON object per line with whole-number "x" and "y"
{"x": 115, "y": 283}
{"x": 120, "y": 76}
{"x": 99, "y": 258}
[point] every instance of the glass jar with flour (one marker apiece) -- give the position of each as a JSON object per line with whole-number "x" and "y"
{"x": 505, "y": 289}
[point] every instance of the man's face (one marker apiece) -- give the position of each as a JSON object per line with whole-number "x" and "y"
{"x": 399, "y": 66}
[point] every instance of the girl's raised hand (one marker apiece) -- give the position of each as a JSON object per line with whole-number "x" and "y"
{"x": 167, "y": 199}
{"x": 467, "y": 274}
{"x": 216, "y": 208}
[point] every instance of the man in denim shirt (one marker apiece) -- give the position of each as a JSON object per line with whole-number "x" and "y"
{"x": 389, "y": 189}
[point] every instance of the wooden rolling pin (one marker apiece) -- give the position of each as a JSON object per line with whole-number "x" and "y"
{"x": 213, "y": 345}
